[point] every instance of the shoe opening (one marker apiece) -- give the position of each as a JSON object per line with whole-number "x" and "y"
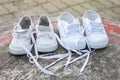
{"x": 66, "y": 17}
{"x": 25, "y": 23}
{"x": 44, "y": 21}
{"x": 91, "y": 15}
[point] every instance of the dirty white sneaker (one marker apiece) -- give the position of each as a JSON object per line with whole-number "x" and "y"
{"x": 45, "y": 40}
{"x": 95, "y": 33}
{"x": 71, "y": 34}
{"x": 21, "y": 33}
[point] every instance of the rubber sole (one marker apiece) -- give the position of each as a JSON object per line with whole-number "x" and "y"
{"x": 48, "y": 48}
{"x": 98, "y": 46}
{"x": 18, "y": 51}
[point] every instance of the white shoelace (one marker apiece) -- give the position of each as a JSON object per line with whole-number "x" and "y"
{"x": 58, "y": 57}
{"x": 33, "y": 59}
{"x": 86, "y": 54}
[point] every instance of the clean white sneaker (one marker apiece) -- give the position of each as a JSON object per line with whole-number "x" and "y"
{"x": 95, "y": 33}
{"x": 71, "y": 33}
{"x": 72, "y": 38}
{"x": 21, "y": 34}
{"x": 45, "y": 39}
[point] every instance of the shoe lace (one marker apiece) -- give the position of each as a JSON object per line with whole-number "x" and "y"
{"x": 79, "y": 52}
{"x": 33, "y": 59}
{"x": 45, "y": 56}
{"x": 46, "y": 33}
{"x": 96, "y": 27}
{"x": 59, "y": 57}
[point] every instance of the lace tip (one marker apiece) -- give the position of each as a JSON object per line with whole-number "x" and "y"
{"x": 50, "y": 73}
{"x": 80, "y": 73}
{"x": 66, "y": 65}
{"x": 65, "y": 68}
{"x": 40, "y": 72}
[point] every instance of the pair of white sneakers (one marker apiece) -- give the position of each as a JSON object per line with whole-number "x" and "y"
{"x": 45, "y": 41}
{"x": 24, "y": 39}
{"x": 73, "y": 37}
{"x": 76, "y": 37}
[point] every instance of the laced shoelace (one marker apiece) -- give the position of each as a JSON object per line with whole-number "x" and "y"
{"x": 79, "y": 52}
{"x": 66, "y": 34}
{"x": 58, "y": 56}
{"x": 86, "y": 54}
{"x": 96, "y": 27}
{"x": 33, "y": 59}
{"x": 67, "y": 48}
{"x": 45, "y": 56}
{"x": 46, "y": 33}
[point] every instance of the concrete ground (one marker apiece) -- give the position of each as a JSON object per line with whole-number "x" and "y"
{"x": 104, "y": 64}
{"x": 13, "y": 9}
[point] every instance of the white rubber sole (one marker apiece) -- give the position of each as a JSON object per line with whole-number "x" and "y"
{"x": 48, "y": 48}
{"x": 98, "y": 46}
{"x": 18, "y": 51}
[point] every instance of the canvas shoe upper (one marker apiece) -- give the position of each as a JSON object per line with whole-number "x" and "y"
{"x": 72, "y": 38}
{"x": 71, "y": 34}
{"x": 45, "y": 39}
{"x": 96, "y": 35}
{"x": 21, "y": 33}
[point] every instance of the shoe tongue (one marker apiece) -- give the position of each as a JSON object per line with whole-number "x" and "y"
{"x": 97, "y": 20}
{"x": 74, "y": 26}
{"x": 44, "y": 28}
{"x": 76, "y": 21}
{"x": 96, "y": 23}
{"x": 71, "y": 26}
{"x": 65, "y": 24}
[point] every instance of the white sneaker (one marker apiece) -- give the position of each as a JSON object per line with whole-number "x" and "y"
{"x": 71, "y": 33}
{"x": 46, "y": 42}
{"x": 21, "y": 33}
{"x": 72, "y": 38}
{"x": 95, "y": 33}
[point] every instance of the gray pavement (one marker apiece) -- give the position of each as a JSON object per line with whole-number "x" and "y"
{"x": 14, "y": 9}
